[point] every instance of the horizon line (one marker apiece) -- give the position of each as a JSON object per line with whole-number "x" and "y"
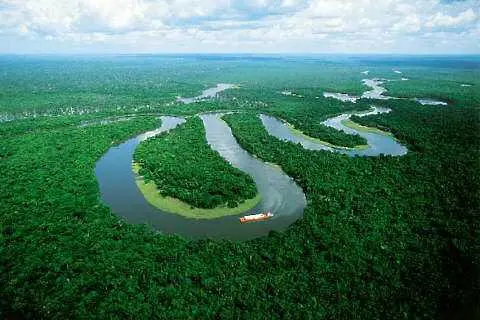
{"x": 231, "y": 53}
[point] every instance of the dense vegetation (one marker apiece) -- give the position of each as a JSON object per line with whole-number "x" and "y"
{"x": 183, "y": 166}
{"x": 306, "y": 113}
{"x": 381, "y": 237}
{"x": 308, "y": 116}
{"x": 425, "y": 248}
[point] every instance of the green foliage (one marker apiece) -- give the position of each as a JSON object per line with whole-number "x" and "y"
{"x": 34, "y": 125}
{"x": 443, "y": 85}
{"x": 307, "y": 117}
{"x": 415, "y": 252}
{"x": 381, "y": 238}
{"x": 183, "y": 166}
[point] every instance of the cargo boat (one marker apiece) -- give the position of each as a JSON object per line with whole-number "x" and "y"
{"x": 256, "y": 217}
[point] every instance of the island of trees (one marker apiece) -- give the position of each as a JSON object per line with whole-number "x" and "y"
{"x": 183, "y": 166}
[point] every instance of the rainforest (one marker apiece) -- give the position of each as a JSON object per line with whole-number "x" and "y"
{"x": 185, "y": 167}
{"x": 123, "y": 178}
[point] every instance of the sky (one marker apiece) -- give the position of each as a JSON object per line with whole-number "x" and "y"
{"x": 240, "y": 26}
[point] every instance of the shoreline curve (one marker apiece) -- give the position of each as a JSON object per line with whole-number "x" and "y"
{"x": 176, "y": 206}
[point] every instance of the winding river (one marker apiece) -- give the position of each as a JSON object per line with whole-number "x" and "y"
{"x": 207, "y": 93}
{"x": 379, "y": 142}
{"x": 279, "y": 193}
{"x": 376, "y": 92}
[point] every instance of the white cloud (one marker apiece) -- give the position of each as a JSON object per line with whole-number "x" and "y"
{"x": 112, "y": 14}
{"x": 329, "y": 8}
{"x": 290, "y": 3}
{"x": 252, "y": 25}
{"x": 444, "y": 20}
{"x": 410, "y": 23}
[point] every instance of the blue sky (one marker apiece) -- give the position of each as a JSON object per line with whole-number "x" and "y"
{"x": 228, "y": 26}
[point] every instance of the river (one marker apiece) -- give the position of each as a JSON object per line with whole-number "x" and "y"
{"x": 376, "y": 92}
{"x": 280, "y": 194}
{"x": 378, "y": 142}
{"x": 207, "y": 93}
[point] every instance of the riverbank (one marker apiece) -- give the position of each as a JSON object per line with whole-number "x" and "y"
{"x": 299, "y": 133}
{"x": 176, "y": 206}
{"x": 378, "y": 142}
{"x": 355, "y": 126}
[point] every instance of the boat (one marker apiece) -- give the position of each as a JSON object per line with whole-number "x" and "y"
{"x": 256, "y": 217}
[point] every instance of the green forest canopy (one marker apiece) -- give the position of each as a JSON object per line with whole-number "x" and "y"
{"x": 385, "y": 237}
{"x": 183, "y": 166}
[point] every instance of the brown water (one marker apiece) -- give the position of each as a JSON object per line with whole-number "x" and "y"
{"x": 280, "y": 194}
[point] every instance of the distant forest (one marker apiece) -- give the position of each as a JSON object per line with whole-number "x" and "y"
{"x": 380, "y": 238}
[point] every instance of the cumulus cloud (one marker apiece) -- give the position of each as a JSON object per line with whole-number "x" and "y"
{"x": 245, "y": 25}
{"x": 444, "y": 20}
{"x": 410, "y": 23}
